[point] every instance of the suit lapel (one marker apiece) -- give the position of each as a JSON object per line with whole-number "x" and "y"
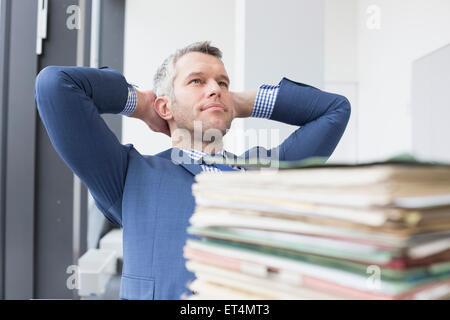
{"x": 183, "y": 160}
{"x": 195, "y": 169}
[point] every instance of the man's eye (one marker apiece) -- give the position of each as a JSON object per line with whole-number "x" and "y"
{"x": 224, "y": 84}
{"x": 195, "y": 81}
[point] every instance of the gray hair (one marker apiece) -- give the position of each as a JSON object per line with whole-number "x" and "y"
{"x": 163, "y": 79}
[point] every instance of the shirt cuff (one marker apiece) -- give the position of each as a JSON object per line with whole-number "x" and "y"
{"x": 131, "y": 104}
{"x": 265, "y": 101}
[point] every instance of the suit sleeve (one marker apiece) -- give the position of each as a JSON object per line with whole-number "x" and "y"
{"x": 70, "y": 101}
{"x": 322, "y": 118}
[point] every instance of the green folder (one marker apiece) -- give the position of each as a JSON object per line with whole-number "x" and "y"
{"x": 319, "y": 162}
{"x": 310, "y": 255}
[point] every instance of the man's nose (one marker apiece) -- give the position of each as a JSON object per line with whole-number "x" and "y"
{"x": 213, "y": 89}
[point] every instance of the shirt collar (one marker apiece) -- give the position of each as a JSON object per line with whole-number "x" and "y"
{"x": 197, "y": 155}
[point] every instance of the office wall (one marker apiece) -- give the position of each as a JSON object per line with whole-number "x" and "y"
{"x": 341, "y": 42}
{"x": 340, "y": 72}
{"x": 372, "y": 67}
{"x": 282, "y": 40}
{"x": 153, "y": 30}
{"x": 409, "y": 29}
{"x": 431, "y": 105}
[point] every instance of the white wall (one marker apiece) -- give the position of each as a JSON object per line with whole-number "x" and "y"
{"x": 372, "y": 67}
{"x": 409, "y": 29}
{"x": 341, "y": 74}
{"x": 153, "y": 30}
{"x": 431, "y": 106}
{"x": 282, "y": 39}
{"x": 341, "y": 41}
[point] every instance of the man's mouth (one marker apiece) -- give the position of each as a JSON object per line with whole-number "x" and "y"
{"x": 213, "y": 107}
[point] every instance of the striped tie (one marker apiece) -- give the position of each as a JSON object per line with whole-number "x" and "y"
{"x": 221, "y": 167}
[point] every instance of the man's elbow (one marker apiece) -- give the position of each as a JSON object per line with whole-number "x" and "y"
{"x": 47, "y": 79}
{"x": 346, "y": 106}
{"x": 47, "y": 82}
{"x": 343, "y": 107}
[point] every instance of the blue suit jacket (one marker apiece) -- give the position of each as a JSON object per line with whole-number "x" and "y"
{"x": 150, "y": 197}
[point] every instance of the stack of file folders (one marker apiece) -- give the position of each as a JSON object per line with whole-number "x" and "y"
{"x": 373, "y": 231}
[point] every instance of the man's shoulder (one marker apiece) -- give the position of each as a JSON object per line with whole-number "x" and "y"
{"x": 161, "y": 156}
{"x": 166, "y": 154}
{"x": 256, "y": 153}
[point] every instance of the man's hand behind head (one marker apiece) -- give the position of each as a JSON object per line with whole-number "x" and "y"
{"x": 243, "y": 103}
{"x": 145, "y": 111}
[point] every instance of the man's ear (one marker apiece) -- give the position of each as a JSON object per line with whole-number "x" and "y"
{"x": 162, "y": 108}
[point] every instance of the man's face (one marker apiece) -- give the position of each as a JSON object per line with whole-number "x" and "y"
{"x": 201, "y": 93}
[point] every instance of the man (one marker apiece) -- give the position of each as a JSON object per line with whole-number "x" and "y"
{"x": 150, "y": 196}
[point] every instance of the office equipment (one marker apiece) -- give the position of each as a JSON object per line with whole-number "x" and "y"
{"x": 96, "y": 267}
